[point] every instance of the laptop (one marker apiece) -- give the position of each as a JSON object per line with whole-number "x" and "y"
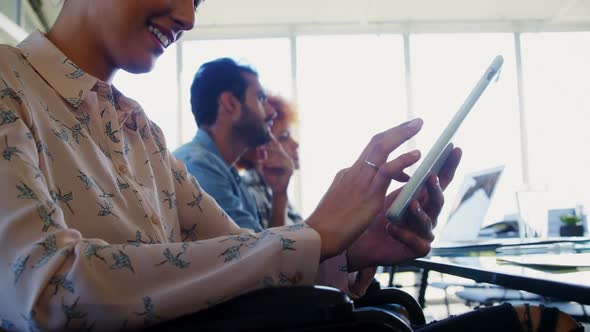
{"x": 470, "y": 207}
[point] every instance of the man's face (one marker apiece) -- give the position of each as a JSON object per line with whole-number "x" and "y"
{"x": 132, "y": 34}
{"x": 253, "y": 126}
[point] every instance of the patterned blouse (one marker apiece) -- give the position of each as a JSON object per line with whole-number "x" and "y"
{"x": 100, "y": 226}
{"x": 263, "y": 197}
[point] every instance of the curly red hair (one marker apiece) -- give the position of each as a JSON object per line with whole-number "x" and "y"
{"x": 286, "y": 110}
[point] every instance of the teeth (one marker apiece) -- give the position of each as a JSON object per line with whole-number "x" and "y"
{"x": 161, "y": 37}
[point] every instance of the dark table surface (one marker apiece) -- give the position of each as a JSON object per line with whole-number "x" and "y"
{"x": 563, "y": 276}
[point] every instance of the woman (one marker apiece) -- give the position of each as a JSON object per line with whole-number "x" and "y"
{"x": 101, "y": 228}
{"x": 268, "y": 191}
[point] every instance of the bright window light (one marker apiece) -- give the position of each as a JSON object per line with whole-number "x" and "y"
{"x": 445, "y": 68}
{"x": 350, "y": 88}
{"x": 556, "y": 70}
{"x": 353, "y": 86}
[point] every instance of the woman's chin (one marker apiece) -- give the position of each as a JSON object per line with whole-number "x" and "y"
{"x": 142, "y": 66}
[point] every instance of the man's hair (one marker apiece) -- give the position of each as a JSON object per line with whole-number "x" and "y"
{"x": 211, "y": 80}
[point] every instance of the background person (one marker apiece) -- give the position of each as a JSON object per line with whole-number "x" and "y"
{"x": 265, "y": 181}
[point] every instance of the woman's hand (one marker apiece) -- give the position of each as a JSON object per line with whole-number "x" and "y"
{"x": 275, "y": 166}
{"x": 357, "y": 194}
{"x": 385, "y": 243}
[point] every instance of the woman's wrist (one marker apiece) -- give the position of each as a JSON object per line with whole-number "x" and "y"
{"x": 325, "y": 247}
{"x": 353, "y": 255}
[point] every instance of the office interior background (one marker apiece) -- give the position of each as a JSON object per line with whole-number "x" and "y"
{"x": 357, "y": 67}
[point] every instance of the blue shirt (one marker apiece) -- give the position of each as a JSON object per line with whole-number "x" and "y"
{"x": 221, "y": 181}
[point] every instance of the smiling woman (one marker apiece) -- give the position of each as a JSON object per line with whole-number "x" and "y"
{"x": 113, "y": 34}
{"x": 101, "y": 227}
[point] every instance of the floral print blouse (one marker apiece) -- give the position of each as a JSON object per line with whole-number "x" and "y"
{"x": 100, "y": 226}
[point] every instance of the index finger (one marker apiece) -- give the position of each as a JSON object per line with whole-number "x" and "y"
{"x": 384, "y": 143}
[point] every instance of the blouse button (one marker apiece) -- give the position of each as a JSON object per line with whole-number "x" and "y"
{"x": 123, "y": 169}
{"x": 155, "y": 220}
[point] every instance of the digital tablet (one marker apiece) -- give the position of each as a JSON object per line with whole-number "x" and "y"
{"x": 439, "y": 152}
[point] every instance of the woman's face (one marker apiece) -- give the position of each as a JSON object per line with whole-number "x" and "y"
{"x": 281, "y": 130}
{"x": 134, "y": 33}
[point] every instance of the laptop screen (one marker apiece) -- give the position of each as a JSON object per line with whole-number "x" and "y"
{"x": 471, "y": 205}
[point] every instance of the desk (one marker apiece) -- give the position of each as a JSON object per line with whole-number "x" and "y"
{"x": 571, "y": 286}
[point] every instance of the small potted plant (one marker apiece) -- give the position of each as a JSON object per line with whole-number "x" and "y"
{"x": 571, "y": 225}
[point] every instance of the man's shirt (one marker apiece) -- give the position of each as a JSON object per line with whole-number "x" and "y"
{"x": 222, "y": 182}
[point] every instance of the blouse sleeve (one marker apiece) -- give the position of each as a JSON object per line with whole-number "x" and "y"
{"x": 56, "y": 279}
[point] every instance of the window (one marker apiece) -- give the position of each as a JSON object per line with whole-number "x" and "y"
{"x": 9, "y": 19}
{"x": 557, "y": 103}
{"x": 353, "y": 86}
{"x": 350, "y": 88}
{"x": 10, "y": 9}
{"x": 445, "y": 67}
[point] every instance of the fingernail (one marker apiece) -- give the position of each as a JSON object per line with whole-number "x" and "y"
{"x": 416, "y": 123}
{"x": 415, "y": 153}
{"x": 433, "y": 181}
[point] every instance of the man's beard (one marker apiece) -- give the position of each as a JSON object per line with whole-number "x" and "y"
{"x": 251, "y": 130}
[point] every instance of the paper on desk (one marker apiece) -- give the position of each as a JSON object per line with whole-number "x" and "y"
{"x": 554, "y": 263}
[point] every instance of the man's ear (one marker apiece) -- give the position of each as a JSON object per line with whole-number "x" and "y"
{"x": 229, "y": 104}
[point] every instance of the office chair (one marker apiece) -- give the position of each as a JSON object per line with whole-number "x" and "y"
{"x": 301, "y": 309}
{"x": 393, "y": 300}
